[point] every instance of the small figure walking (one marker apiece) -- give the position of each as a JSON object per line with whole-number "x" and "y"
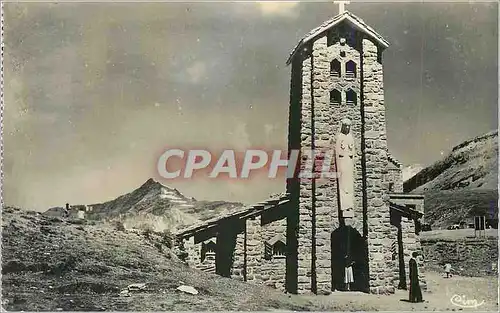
{"x": 415, "y": 291}
{"x": 349, "y": 276}
{"x": 447, "y": 270}
{"x": 66, "y": 210}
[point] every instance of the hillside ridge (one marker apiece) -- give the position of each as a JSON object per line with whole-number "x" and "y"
{"x": 152, "y": 205}
{"x": 461, "y": 185}
{"x": 472, "y": 164}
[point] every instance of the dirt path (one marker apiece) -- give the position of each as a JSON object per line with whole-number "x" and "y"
{"x": 437, "y": 298}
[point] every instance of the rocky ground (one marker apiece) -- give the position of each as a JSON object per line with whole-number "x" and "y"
{"x": 51, "y": 263}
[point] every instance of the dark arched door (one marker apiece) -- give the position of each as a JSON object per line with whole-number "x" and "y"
{"x": 346, "y": 241}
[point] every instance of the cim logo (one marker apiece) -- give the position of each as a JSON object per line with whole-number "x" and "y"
{"x": 463, "y": 302}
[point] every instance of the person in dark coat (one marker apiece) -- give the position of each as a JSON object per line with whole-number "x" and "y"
{"x": 415, "y": 291}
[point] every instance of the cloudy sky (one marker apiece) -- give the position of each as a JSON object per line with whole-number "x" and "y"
{"x": 95, "y": 92}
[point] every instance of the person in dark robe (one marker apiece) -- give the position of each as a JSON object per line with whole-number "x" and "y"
{"x": 415, "y": 291}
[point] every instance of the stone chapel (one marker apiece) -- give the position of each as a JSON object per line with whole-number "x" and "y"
{"x": 299, "y": 241}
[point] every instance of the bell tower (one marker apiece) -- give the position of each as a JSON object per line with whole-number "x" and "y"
{"x": 337, "y": 80}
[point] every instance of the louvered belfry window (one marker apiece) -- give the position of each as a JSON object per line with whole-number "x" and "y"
{"x": 350, "y": 69}
{"x": 335, "y": 69}
{"x": 335, "y": 97}
{"x": 351, "y": 97}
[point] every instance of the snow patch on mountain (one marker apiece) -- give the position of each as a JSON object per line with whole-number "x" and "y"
{"x": 411, "y": 170}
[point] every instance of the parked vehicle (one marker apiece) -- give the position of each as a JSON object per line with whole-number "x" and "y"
{"x": 453, "y": 227}
{"x": 426, "y": 227}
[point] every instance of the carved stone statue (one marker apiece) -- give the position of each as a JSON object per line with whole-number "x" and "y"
{"x": 344, "y": 158}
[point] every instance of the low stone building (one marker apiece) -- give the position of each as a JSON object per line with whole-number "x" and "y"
{"x": 300, "y": 241}
{"x": 76, "y": 211}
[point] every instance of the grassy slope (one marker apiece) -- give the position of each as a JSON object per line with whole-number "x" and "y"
{"x": 462, "y": 184}
{"x": 444, "y": 208}
{"x": 51, "y": 263}
{"x": 471, "y": 165}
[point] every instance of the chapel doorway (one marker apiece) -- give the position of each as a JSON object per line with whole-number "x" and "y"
{"x": 346, "y": 241}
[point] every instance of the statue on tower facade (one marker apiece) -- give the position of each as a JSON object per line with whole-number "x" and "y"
{"x": 344, "y": 159}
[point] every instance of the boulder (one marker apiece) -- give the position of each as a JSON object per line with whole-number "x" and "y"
{"x": 188, "y": 289}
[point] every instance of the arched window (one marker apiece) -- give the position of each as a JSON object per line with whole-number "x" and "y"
{"x": 275, "y": 247}
{"x": 350, "y": 69}
{"x": 279, "y": 248}
{"x": 335, "y": 68}
{"x": 335, "y": 97}
{"x": 351, "y": 97}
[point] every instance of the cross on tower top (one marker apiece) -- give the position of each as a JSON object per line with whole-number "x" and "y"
{"x": 341, "y": 5}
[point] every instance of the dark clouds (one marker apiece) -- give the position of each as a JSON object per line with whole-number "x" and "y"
{"x": 95, "y": 91}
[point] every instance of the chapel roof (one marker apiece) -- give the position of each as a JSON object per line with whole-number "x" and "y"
{"x": 394, "y": 161}
{"x": 407, "y": 211}
{"x": 350, "y": 18}
{"x": 252, "y": 210}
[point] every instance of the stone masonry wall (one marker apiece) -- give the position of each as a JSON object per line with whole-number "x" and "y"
{"x": 194, "y": 252}
{"x": 411, "y": 243}
{"x": 304, "y": 235}
{"x": 274, "y": 228}
{"x": 395, "y": 256}
{"x": 194, "y": 256}
{"x": 387, "y": 279}
{"x": 293, "y": 185}
{"x": 237, "y": 270}
{"x": 395, "y": 176}
{"x": 273, "y": 271}
{"x": 375, "y": 136}
{"x": 325, "y": 199}
{"x": 421, "y": 260}
{"x": 255, "y": 249}
{"x": 467, "y": 256}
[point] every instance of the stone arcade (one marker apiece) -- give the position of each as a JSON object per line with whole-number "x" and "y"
{"x": 298, "y": 242}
